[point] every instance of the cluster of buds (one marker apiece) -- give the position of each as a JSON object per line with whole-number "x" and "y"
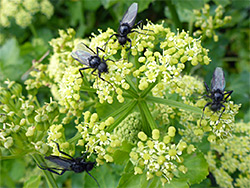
{"x": 208, "y": 23}
{"x": 22, "y": 131}
{"x": 22, "y": 11}
{"x": 233, "y": 153}
{"x": 96, "y": 139}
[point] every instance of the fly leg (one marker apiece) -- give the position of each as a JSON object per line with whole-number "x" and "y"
{"x": 93, "y": 178}
{"x": 58, "y": 148}
{"x": 224, "y": 108}
{"x": 52, "y": 169}
{"x": 209, "y": 103}
{"x": 81, "y": 69}
{"x": 99, "y": 75}
{"x": 109, "y": 39}
{"x": 228, "y": 94}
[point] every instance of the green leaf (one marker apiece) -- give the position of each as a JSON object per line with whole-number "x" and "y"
{"x": 11, "y": 64}
{"x": 224, "y": 3}
{"x": 107, "y": 176}
{"x": 197, "y": 4}
{"x": 130, "y": 180}
{"x": 129, "y": 167}
{"x": 33, "y": 182}
{"x": 197, "y": 168}
{"x": 177, "y": 183}
{"x": 108, "y": 3}
{"x": 17, "y": 172}
{"x": 91, "y": 5}
{"x": 121, "y": 156}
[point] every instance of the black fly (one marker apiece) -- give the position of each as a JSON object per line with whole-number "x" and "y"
{"x": 76, "y": 165}
{"x": 217, "y": 94}
{"x": 87, "y": 56}
{"x": 127, "y": 25}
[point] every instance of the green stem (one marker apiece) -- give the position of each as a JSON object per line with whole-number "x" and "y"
{"x": 145, "y": 126}
{"x": 131, "y": 93}
{"x": 174, "y": 14}
{"x": 126, "y": 111}
{"x": 131, "y": 83}
{"x": 33, "y": 30}
{"x": 48, "y": 176}
{"x": 86, "y": 84}
{"x": 137, "y": 66}
{"x": 87, "y": 89}
{"x": 149, "y": 88}
{"x": 145, "y": 110}
{"x": 75, "y": 138}
{"x": 176, "y": 104}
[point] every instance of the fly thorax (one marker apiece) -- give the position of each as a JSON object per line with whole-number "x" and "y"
{"x": 218, "y": 96}
{"x": 94, "y": 61}
{"x": 103, "y": 67}
{"x": 78, "y": 167}
{"x": 124, "y": 29}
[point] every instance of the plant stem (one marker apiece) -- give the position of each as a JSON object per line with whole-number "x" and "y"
{"x": 124, "y": 114}
{"x": 174, "y": 14}
{"x": 48, "y": 176}
{"x": 176, "y": 104}
{"x": 152, "y": 124}
{"x": 33, "y": 30}
{"x": 149, "y": 88}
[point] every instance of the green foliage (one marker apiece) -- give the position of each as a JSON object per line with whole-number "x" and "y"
{"x": 37, "y": 108}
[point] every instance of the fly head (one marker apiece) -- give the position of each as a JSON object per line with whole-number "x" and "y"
{"x": 89, "y": 166}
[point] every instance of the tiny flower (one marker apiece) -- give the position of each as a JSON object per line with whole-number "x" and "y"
{"x": 142, "y": 136}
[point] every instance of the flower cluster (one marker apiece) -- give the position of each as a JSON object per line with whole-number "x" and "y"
{"x": 219, "y": 128}
{"x": 208, "y": 24}
{"x": 232, "y": 169}
{"x": 149, "y": 76}
{"x": 24, "y": 122}
{"x": 129, "y": 128}
{"x": 150, "y": 65}
{"x": 22, "y": 11}
{"x": 56, "y": 135}
{"x": 158, "y": 156}
{"x": 96, "y": 139}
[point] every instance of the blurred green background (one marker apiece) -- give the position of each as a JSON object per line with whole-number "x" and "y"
{"x": 21, "y": 45}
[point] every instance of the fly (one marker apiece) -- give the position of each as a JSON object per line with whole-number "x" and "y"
{"x": 86, "y": 56}
{"x": 216, "y": 92}
{"x": 64, "y": 164}
{"x": 127, "y": 25}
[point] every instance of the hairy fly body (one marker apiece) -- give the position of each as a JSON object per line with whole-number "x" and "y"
{"x": 216, "y": 92}
{"x": 69, "y": 163}
{"x": 85, "y": 55}
{"x": 127, "y": 25}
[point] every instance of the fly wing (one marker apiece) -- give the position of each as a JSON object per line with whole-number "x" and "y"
{"x": 82, "y": 54}
{"x": 218, "y": 80}
{"x": 60, "y": 161}
{"x": 130, "y": 16}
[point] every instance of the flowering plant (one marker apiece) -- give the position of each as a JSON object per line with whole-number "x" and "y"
{"x": 145, "y": 114}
